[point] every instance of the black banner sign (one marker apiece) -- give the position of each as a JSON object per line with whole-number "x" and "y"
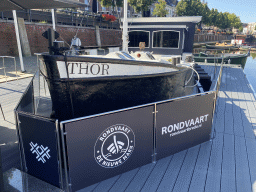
{"x": 183, "y": 124}
{"x": 101, "y": 147}
{"x": 40, "y": 148}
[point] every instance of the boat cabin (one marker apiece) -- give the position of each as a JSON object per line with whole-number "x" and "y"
{"x": 162, "y": 35}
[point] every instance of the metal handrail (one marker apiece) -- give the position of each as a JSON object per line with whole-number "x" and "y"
{"x": 5, "y": 67}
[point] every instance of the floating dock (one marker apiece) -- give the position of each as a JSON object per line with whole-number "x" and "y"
{"x": 225, "y": 163}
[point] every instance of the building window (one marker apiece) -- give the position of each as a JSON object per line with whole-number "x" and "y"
{"x": 87, "y": 3}
{"x": 166, "y": 39}
{"x": 135, "y": 37}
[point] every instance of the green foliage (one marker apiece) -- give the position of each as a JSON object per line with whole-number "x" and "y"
{"x": 140, "y": 5}
{"x": 234, "y": 20}
{"x": 111, "y": 3}
{"x": 160, "y": 9}
{"x": 209, "y": 17}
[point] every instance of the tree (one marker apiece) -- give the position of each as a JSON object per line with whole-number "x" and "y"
{"x": 193, "y": 8}
{"x": 140, "y": 5}
{"x": 222, "y": 20}
{"x": 160, "y": 9}
{"x": 111, "y": 3}
{"x": 213, "y": 17}
{"x": 234, "y": 21}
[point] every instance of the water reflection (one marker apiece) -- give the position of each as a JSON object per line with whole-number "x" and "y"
{"x": 253, "y": 54}
{"x": 250, "y": 70}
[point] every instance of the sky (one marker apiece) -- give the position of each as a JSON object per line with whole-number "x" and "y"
{"x": 245, "y": 9}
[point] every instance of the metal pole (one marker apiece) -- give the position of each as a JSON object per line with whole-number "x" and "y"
{"x": 53, "y": 20}
{"x": 125, "y": 28}
{"x": 18, "y": 40}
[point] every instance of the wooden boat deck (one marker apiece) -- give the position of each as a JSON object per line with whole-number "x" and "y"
{"x": 226, "y": 163}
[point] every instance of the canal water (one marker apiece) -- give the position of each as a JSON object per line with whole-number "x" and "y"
{"x": 250, "y": 70}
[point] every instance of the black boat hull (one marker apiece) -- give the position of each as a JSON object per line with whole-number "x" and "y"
{"x": 72, "y": 98}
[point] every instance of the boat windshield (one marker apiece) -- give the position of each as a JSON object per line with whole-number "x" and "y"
{"x": 127, "y": 55}
{"x": 150, "y": 56}
{"x": 168, "y": 39}
{"x": 135, "y": 37}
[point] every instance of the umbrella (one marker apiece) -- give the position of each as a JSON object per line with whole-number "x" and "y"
{"x": 8, "y": 5}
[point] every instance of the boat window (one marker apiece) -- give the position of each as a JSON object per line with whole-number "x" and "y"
{"x": 127, "y": 55}
{"x": 121, "y": 56}
{"x": 135, "y": 37}
{"x": 166, "y": 39}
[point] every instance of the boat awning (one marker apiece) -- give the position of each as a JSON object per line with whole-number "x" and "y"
{"x": 8, "y": 5}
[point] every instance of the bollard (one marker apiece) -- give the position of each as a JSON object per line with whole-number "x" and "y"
{"x": 174, "y": 61}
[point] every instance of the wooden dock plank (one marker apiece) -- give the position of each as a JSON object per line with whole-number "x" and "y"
{"x": 106, "y": 184}
{"x": 200, "y": 172}
{"x": 242, "y": 170}
{"x": 229, "y": 103}
{"x": 220, "y": 120}
{"x": 156, "y": 175}
{"x": 243, "y": 104}
{"x": 251, "y": 154}
{"x": 140, "y": 178}
{"x": 213, "y": 178}
{"x": 122, "y": 183}
{"x": 251, "y": 103}
{"x": 238, "y": 124}
{"x": 172, "y": 172}
{"x": 228, "y": 176}
{"x": 187, "y": 169}
{"x": 89, "y": 189}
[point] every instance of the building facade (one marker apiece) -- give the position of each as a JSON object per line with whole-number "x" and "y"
{"x": 95, "y": 7}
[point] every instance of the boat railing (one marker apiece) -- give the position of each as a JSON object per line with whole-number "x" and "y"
{"x": 204, "y": 49}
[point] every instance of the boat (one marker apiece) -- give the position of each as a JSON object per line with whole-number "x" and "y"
{"x": 247, "y": 47}
{"x": 223, "y": 46}
{"x": 82, "y": 86}
{"x": 227, "y": 58}
{"x": 87, "y": 85}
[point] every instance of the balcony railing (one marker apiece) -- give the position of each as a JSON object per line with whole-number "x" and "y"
{"x": 86, "y": 19}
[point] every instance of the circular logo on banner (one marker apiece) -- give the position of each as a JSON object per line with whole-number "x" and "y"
{"x": 114, "y": 146}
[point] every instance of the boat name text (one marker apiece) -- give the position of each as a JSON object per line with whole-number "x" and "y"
{"x": 88, "y": 68}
